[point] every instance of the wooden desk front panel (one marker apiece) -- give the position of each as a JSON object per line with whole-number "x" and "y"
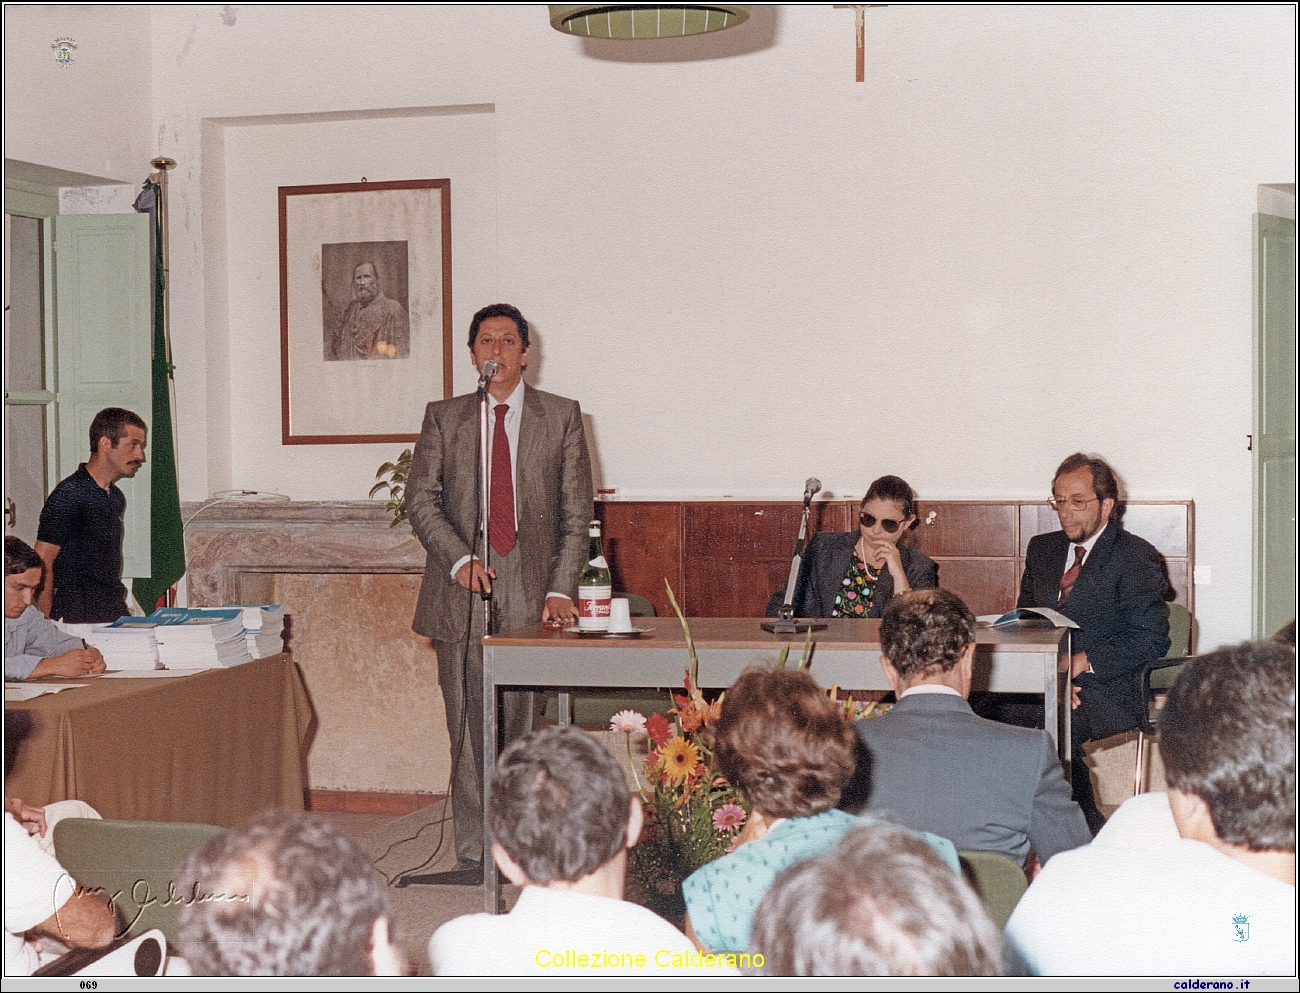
{"x": 726, "y": 557}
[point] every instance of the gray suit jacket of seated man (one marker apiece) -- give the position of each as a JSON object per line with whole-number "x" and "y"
{"x": 933, "y": 764}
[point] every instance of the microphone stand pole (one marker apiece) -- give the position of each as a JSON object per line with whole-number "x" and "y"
{"x": 484, "y": 481}
{"x": 453, "y": 877}
{"x": 785, "y": 623}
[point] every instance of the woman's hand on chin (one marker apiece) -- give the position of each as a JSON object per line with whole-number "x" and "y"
{"x": 887, "y": 554}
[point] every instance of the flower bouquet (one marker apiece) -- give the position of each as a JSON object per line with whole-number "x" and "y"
{"x": 692, "y": 814}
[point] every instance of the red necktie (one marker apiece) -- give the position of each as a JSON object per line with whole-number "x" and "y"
{"x": 501, "y": 522}
{"x": 1071, "y": 576}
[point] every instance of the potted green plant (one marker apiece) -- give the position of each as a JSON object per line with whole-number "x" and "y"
{"x": 392, "y": 478}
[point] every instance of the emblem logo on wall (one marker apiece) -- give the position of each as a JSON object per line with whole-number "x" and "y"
{"x": 63, "y": 49}
{"x": 1241, "y": 928}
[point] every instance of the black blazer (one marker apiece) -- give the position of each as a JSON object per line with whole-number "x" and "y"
{"x": 822, "y": 575}
{"x": 1118, "y": 601}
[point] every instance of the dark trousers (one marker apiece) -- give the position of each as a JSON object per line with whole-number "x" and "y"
{"x": 1104, "y": 709}
{"x": 460, "y": 674}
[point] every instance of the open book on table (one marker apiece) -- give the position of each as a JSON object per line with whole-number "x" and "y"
{"x": 1026, "y": 617}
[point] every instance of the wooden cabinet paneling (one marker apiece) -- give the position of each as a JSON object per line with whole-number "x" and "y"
{"x": 965, "y": 529}
{"x": 643, "y": 545}
{"x": 1164, "y": 525}
{"x": 726, "y": 557}
{"x": 987, "y": 585}
{"x": 1035, "y": 518}
{"x": 738, "y": 553}
{"x": 1176, "y": 569}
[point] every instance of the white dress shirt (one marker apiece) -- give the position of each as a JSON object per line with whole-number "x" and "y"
{"x": 1087, "y": 549}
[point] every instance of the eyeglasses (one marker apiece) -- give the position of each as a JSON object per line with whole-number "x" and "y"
{"x": 1074, "y": 503}
{"x": 870, "y": 522}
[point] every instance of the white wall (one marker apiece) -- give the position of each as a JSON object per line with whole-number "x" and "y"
{"x": 1028, "y": 232}
{"x": 93, "y": 116}
{"x": 259, "y": 159}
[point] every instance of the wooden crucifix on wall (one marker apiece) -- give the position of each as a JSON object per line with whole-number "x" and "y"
{"x": 860, "y": 22}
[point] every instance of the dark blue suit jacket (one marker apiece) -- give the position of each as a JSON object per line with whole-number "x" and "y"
{"x": 1118, "y": 601}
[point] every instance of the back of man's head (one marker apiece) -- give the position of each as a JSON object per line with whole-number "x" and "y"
{"x": 880, "y": 904}
{"x": 559, "y": 805}
{"x": 925, "y": 631}
{"x": 288, "y": 895}
{"x": 1227, "y": 735}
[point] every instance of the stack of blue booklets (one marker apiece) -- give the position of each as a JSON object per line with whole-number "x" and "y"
{"x": 200, "y": 637}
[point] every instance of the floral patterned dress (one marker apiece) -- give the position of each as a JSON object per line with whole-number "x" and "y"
{"x": 857, "y": 590}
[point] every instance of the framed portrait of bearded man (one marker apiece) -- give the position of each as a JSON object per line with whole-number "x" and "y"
{"x": 365, "y": 308}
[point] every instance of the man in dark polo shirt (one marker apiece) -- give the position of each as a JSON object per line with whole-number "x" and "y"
{"x": 80, "y": 537}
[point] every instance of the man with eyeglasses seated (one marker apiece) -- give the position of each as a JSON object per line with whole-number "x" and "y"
{"x": 1112, "y": 584}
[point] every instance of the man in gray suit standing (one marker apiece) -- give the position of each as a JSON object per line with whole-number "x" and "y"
{"x": 936, "y": 766}
{"x": 540, "y": 500}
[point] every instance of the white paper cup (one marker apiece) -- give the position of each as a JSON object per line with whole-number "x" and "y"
{"x": 620, "y": 617}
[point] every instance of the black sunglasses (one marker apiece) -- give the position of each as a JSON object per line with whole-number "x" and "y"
{"x": 870, "y": 522}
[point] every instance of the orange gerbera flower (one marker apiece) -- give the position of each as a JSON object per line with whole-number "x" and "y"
{"x": 678, "y": 759}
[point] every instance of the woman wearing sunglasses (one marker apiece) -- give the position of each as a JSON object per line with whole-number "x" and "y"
{"x": 855, "y": 574}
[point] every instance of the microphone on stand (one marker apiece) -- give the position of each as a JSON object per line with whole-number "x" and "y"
{"x": 485, "y": 374}
{"x": 786, "y": 623}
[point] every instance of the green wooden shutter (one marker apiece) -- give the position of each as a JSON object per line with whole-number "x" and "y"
{"x": 103, "y": 322}
{"x": 1275, "y": 420}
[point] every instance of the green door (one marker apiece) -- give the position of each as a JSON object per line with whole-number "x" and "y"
{"x": 104, "y": 334}
{"x": 1275, "y": 424}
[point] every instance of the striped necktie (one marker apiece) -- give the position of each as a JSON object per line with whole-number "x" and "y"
{"x": 1071, "y": 576}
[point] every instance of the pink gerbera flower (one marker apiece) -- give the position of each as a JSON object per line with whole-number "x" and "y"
{"x": 627, "y": 721}
{"x": 728, "y": 817}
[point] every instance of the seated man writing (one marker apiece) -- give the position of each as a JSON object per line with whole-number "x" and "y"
{"x": 562, "y": 821}
{"x": 34, "y": 647}
{"x": 1219, "y": 875}
{"x": 938, "y": 767}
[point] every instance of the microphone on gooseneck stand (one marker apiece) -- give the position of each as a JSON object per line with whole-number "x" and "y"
{"x": 485, "y": 374}
{"x": 810, "y": 489}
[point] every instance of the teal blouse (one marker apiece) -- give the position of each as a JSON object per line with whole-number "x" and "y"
{"x": 721, "y": 897}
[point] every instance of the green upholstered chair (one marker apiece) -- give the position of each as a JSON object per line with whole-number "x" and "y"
{"x": 1158, "y": 676}
{"x": 997, "y": 879}
{"x": 134, "y": 862}
{"x": 596, "y": 707}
